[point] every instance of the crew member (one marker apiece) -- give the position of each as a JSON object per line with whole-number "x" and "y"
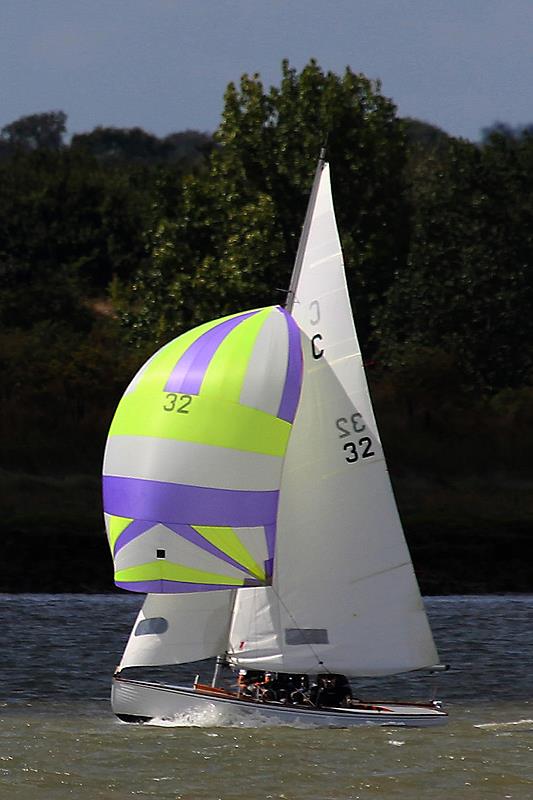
{"x": 332, "y": 691}
{"x": 266, "y": 689}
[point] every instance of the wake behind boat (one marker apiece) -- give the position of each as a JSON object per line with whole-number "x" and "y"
{"x": 246, "y": 492}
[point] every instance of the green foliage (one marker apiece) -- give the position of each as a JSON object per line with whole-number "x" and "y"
{"x": 467, "y": 286}
{"x": 232, "y": 239}
{"x": 69, "y": 226}
{"x": 425, "y": 138}
{"x": 131, "y": 144}
{"x": 167, "y": 233}
{"x": 59, "y": 391}
{"x": 134, "y": 145}
{"x": 35, "y": 132}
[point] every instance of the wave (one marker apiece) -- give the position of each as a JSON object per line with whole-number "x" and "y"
{"x": 212, "y": 718}
{"x": 512, "y": 725}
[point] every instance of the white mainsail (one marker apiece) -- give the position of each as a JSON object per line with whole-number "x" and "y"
{"x": 344, "y": 596}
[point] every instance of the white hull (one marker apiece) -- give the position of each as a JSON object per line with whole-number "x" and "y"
{"x": 137, "y": 701}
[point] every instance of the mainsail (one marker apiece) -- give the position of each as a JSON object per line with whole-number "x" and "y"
{"x": 344, "y": 596}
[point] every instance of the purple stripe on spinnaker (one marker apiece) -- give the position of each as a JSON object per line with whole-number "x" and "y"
{"x": 134, "y": 529}
{"x": 176, "y": 587}
{"x": 189, "y": 372}
{"x": 195, "y": 505}
{"x": 269, "y": 568}
{"x": 293, "y": 376}
{"x": 270, "y": 536}
{"x": 187, "y": 532}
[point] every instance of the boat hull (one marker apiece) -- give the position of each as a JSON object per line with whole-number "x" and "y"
{"x": 140, "y": 701}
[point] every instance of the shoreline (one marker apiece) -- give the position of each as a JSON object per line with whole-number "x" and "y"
{"x": 448, "y": 560}
{"x": 468, "y": 538}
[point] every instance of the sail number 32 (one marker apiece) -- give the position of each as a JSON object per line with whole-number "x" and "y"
{"x": 177, "y": 402}
{"x": 362, "y": 447}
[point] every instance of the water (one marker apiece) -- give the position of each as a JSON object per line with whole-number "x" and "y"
{"x": 58, "y": 738}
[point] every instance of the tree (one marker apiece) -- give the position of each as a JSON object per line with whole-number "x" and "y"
{"x": 134, "y": 145}
{"x": 421, "y": 135}
{"x": 189, "y": 147}
{"x": 70, "y": 225}
{"x": 467, "y": 286}
{"x": 235, "y": 232}
{"x": 126, "y": 144}
{"x": 36, "y": 131}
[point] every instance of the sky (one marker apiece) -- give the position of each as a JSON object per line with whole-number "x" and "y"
{"x": 163, "y": 65}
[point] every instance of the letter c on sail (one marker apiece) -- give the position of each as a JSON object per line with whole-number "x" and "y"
{"x": 317, "y": 352}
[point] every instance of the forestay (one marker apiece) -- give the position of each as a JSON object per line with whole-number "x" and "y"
{"x": 344, "y": 595}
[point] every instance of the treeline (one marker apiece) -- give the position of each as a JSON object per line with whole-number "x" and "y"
{"x": 118, "y": 240}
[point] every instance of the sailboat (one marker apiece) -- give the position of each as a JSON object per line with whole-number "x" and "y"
{"x": 246, "y": 493}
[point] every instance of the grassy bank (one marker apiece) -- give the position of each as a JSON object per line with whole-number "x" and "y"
{"x": 468, "y": 537}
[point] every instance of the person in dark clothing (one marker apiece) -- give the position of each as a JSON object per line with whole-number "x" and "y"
{"x": 285, "y": 686}
{"x": 300, "y": 693}
{"x": 331, "y": 691}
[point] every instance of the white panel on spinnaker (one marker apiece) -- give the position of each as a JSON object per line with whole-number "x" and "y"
{"x": 178, "y": 550}
{"x": 264, "y": 381}
{"x": 187, "y": 627}
{"x": 254, "y": 541}
{"x": 192, "y": 463}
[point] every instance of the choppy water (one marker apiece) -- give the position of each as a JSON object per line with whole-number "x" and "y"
{"x": 58, "y": 738}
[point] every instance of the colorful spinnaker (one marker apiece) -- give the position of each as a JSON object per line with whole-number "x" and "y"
{"x": 193, "y": 462}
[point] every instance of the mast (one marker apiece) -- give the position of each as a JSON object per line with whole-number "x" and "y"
{"x": 298, "y": 262}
